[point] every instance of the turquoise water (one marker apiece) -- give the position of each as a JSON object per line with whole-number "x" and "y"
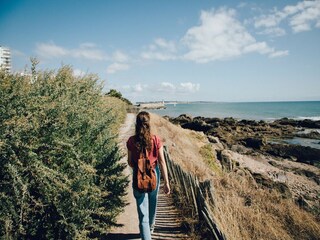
{"x": 250, "y": 110}
{"x": 314, "y": 143}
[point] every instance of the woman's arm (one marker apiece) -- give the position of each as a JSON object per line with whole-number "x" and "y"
{"x": 130, "y": 159}
{"x": 164, "y": 171}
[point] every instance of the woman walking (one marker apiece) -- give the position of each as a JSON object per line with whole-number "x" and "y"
{"x": 144, "y": 142}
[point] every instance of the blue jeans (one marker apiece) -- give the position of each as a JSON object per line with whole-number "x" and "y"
{"x": 147, "y": 205}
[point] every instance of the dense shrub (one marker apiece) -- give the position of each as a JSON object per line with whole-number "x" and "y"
{"x": 117, "y": 94}
{"x": 60, "y": 176}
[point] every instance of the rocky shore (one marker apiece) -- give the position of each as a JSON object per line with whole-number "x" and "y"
{"x": 259, "y": 148}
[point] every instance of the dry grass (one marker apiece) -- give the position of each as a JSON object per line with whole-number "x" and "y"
{"x": 184, "y": 145}
{"x": 242, "y": 209}
{"x": 245, "y": 211}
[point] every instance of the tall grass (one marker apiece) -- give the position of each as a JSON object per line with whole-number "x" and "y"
{"x": 246, "y": 211}
{"x": 60, "y": 176}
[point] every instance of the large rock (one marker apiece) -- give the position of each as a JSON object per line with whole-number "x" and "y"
{"x": 217, "y": 145}
{"x": 306, "y": 123}
{"x": 197, "y": 125}
{"x": 229, "y": 121}
{"x": 226, "y": 160}
{"x": 269, "y": 183}
{"x": 312, "y": 135}
{"x": 255, "y": 143}
{"x": 182, "y": 119}
{"x": 212, "y": 121}
{"x": 286, "y": 121}
{"x": 301, "y": 153}
{"x": 245, "y": 122}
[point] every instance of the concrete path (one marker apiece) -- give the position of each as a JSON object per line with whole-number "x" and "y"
{"x": 168, "y": 218}
{"x": 129, "y": 218}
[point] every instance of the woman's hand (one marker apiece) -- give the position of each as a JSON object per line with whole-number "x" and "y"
{"x": 166, "y": 188}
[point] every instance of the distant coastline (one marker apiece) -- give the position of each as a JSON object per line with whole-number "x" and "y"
{"x": 150, "y": 105}
{"x": 267, "y": 111}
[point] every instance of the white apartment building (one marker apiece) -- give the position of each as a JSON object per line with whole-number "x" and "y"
{"x": 5, "y": 58}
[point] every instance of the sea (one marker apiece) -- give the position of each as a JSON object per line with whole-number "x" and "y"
{"x": 267, "y": 111}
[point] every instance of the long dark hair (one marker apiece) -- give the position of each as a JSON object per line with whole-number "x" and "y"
{"x": 143, "y": 133}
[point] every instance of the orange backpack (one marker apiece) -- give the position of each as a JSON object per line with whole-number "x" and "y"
{"x": 145, "y": 179}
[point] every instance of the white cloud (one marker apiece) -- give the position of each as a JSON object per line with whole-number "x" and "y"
{"x": 119, "y": 56}
{"x": 160, "y": 90}
{"x": 139, "y": 87}
{"x": 50, "y": 50}
{"x": 166, "y": 45}
{"x": 85, "y": 51}
{"x": 157, "y": 56}
{"x": 279, "y": 54}
{"x": 161, "y": 49}
{"x": 186, "y": 87}
{"x": 304, "y": 19}
{"x": 189, "y": 87}
{"x": 273, "y": 31}
{"x": 134, "y": 92}
{"x": 78, "y": 72}
{"x": 88, "y": 51}
{"x": 121, "y": 62}
{"x": 116, "y": 67}
{"x": 220, "y": 36}
{"x": 260, "y": 47}
{"x": 270, "y": 20}
{"x": 167, "y": 86}
{"x": 301, "y": 17}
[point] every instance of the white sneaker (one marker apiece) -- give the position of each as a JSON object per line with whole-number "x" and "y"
{"x": 151, "y": 228}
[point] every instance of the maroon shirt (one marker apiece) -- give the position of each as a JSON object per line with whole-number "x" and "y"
{"x": 152, "y": 155}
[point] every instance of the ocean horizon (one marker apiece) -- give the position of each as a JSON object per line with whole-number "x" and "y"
{"x": 267, "y": 111}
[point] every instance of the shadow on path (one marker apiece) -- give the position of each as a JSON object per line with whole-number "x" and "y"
{"x": 123, "y": 236}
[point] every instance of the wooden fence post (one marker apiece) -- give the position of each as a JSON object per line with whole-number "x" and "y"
{"x": 197, "y": 194}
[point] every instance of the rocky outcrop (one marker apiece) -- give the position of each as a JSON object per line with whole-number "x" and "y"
{"x": 182, "y": 119}
{"x": 197, "y": 125}
{"x": 255, "y": 143}
{"x": 300, "y": 153}
{"x": 311, "y": 135}
{"x": 258, "y": 135}
{"x": 266, "y": 181}
{"x": 254, "y": 149}
{"x": 306, "y": 123}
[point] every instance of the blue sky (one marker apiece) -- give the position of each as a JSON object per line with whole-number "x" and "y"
{"x": 174, "y": 50}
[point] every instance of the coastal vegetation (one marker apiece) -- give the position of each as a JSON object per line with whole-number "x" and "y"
{"x": 60, "y": 176}
{"x": 256, "y": 196}
{"x": 209, "y": 157}
{"x": 117, "y": 94}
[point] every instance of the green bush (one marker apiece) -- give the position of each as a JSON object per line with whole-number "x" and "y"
{"x": 116, "y": 94}
{"x": 209, "y": 158}
{"x": 60, "y": 176}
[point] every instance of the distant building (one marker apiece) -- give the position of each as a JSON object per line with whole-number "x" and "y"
{"x": 5, "y": 59}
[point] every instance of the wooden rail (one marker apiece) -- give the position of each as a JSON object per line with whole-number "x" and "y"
{"x": 197, "y": 197}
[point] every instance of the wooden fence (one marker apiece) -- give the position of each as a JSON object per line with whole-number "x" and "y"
{"x": 197, "y": 197}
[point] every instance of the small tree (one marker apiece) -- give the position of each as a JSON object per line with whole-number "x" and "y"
{"x": 117, "y": 94}
{"x": 60, "y": 174}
